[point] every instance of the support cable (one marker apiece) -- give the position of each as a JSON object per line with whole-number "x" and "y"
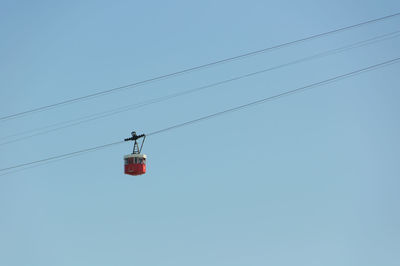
{"x": 104, "y": 114}
{"x": 280, "y": 95}
{"x": 173, "y": 74}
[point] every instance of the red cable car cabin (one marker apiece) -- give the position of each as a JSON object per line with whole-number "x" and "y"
{"x": 135, "y": 164}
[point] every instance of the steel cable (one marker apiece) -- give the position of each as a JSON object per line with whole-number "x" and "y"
{"x": 93, "y": 117}
{"x": 173, "y": 74}
{"x": 237, "y": 108}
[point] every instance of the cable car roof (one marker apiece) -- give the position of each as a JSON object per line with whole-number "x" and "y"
{"x": 135, "y": 156}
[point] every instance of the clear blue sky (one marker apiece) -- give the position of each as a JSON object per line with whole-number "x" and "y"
{"x": 310, "y": 179}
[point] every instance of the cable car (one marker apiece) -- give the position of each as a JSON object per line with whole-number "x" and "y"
{"x": 135, "y": 163}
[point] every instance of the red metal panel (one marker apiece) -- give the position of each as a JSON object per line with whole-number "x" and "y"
{"x": 135, "y": 169}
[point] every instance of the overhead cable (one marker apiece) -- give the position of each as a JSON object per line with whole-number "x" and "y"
{"x": 66, "y": 155}
{"x": 237, "y": 108}
{"x": 276, "y": 96}
{"x": 104, "y": 114}
{"x": 173, "y": 74}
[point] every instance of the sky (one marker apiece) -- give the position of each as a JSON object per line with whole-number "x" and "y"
{"x": 308, "y": 179}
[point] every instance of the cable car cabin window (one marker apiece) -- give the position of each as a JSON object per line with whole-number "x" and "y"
{"x": 135, "y": 160}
